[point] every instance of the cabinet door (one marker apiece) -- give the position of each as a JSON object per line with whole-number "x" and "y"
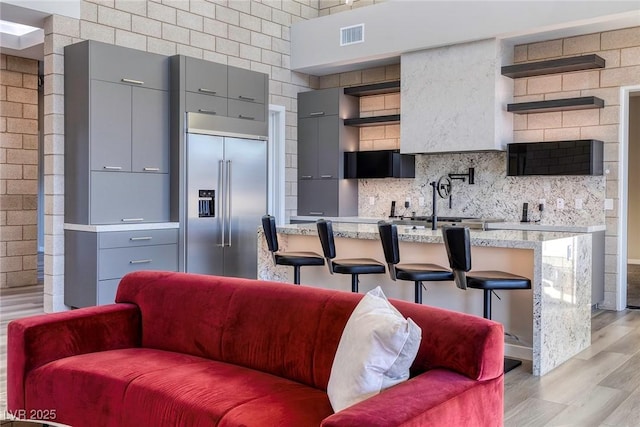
{"x": 115, "y": 263}
{"x": 110, "y": 126}
{"x": 150, "y": 130}
{"x": 247, "y": 85}
{"x": 325, "y": 102}
{"x": 129, "y": 66}
{"x": 126, "y": 198}
{"x": 198, "y": 103}
{"x": 307, "y": 148}
{"x": 247, "y": 110}
{"x": 205, "y": 77}
{"x": 329, "y": 154}
{"x": 318, "y": 197}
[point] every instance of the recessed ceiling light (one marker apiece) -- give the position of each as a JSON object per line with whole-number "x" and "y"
{"x": 15, "y": 29}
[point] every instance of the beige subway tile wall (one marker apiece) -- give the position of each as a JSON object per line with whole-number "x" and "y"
{"x": 18, "y": 171}
{"x": 621, "y": 51}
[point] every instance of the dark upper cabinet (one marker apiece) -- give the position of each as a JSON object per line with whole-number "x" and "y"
{"x": 576, "y": 157}
{"x": 379, "y": 164}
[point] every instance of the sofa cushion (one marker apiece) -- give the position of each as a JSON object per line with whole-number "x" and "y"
{"x": 243, "y": 322}
{"x": 155, "y": 387}
{"x": 375, "y": 352}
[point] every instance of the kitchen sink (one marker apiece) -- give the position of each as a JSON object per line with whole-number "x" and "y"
{"x": 445, "y": 221}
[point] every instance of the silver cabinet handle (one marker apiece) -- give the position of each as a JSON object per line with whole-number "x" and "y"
{"x": 229, "y": 199}
{"x": 316, "y": 213}
{"x": 246, "y": 98}
{"x": 326, "y": 176}
{"x": 212, "y": 92}
{"x": 137, "y": 239}
{"x": 317, "y": 113}
{"x": 135, "y": 82}
{"x": 307, "y": 176}
{"x": 140, "y": 261}
{"x": 246, "y": 117}
{"x": 212, "y": 112}
{"x": 132, "y": 219}
{"x": 113, "y": 168}
{"x": 151, "y": 169}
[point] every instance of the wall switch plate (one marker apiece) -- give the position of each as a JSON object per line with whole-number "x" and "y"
{"x": 421, "y": 201}
{"x": 560, "y": 204}
{"x": 608, "y": 204}
{"x": 578, "y": 204}
{"x": 372, "y": 201}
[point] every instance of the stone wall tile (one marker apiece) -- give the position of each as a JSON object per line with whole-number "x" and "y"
{"x": 624, "y": 76}
{"x": 544, "y": 50}
{"x": 97, "y": 32}
{"x": 114, "y": 18}
{"x": 161, "y": 13}
{"x": 146, "y": 26}
{"x": 131, "y": 40}
{"x": 630, "y": 56}
{"x": 239, "y": 34}
{"x": 135, "y": 7}
{"x": 189, "y": 20}
{"x": 581, "y": 80}
{"x": 581, "y": 44}
{"x": 616, "y": 39}
{"x": 216, "y": 28}
{"x": 227, "y": 15}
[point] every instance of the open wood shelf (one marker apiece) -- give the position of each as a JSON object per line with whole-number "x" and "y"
{"x": 373, "y": 89}
{"x": 583, "y": 103}
{"x": 373, "y": 121}
{"x": 553, "y": 66}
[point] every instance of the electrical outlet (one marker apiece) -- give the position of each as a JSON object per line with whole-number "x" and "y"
{"x": 372, "y": 201}
{"x": 578, "y": 204}
{"x": 421, "y": 201}
{"x": 560, "y": 204}
{"x": 407, "y": 202}
{"x": 608, "y": 204}
{"x": 542, "y": 202}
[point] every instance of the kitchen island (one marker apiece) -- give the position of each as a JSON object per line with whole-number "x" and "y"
{"x": 548, "y": 324}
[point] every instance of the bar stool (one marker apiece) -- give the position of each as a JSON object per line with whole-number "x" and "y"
{"x": 414, "y": 272}
{"x": 352, "y": 266}
{"x": 458, "y": 244}
{"x": 295, "y": 259}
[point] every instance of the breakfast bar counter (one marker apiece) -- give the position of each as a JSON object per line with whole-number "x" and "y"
{"x": 548, "y": 324}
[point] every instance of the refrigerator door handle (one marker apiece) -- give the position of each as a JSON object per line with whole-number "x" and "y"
{"x": 221, "y": 205}
{"x": 228, "y": 196}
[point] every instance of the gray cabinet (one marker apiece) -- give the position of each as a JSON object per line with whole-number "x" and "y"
{"x": 116, "y": 122}
{"x": 247, "y": 85}
{"x": 96, "y": 261}
{"x": 204, "y": 77}
{"x": 322, "y": 141}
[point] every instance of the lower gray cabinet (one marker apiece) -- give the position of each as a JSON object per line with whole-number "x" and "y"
{"x": 96, "y": 261}
{"x": 327, "y": 197}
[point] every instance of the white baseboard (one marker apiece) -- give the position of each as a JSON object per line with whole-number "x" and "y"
{"x": 633, "y": 261}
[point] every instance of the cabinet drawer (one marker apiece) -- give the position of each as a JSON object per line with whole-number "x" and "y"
{"x": 115, "y": 263}
{"x": 247, "y": 85}
{"x": 122, "y": 239}
{"x": 317, "y": 103}
{"x": 246, "y": 110}
{"x": 106, "y": 293}
{"x": 208, "y": 104}
{"x": 128, "y": 66}
{"x": 128, "y": 198}
{"x": 205, "y": 77}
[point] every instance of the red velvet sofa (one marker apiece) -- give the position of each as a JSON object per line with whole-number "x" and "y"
{"x": 188, "y": 350}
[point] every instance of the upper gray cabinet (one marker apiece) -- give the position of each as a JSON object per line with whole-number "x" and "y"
{"x": 247, "y": 85}
{"x": 116, "y": 122}
{"x": 204, "y": 77}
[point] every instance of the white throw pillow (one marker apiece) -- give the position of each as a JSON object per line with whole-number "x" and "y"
{"x": 376, "y": 350}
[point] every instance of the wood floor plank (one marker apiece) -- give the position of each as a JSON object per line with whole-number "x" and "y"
{"x": 591, "y": 408}
{"x": 627, "y": 414}
{"x": 532, "y": 412}
{"x": 603, "y": 338}
{"x": 625, "y": 377}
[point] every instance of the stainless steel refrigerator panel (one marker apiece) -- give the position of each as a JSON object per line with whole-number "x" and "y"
{"x": 204, "y": 234}
{"x": 246, "y": 170}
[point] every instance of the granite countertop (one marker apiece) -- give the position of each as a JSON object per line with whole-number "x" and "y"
{"x": 491, "y": 238}
{"x": 536, "y": 226}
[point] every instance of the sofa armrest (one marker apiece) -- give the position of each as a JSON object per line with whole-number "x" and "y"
{"x": 437, "y": 397}
{"x": 37, "y": 340}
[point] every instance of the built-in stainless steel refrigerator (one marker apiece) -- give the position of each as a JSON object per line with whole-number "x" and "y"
{"x": 226, "y": 181}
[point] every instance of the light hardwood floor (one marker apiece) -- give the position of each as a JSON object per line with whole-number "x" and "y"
{"x": 598, "y": 387}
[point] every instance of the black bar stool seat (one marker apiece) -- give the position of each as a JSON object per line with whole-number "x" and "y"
{"x": 410, "y": 272}
{"x": 294, "y": 259}
{"x": 458, "y": 244}
{"x": 352, "y": 266}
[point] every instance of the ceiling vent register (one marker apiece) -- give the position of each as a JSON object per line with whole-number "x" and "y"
{"x": 351, "y": 35}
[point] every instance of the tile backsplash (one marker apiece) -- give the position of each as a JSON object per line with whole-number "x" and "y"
{"x": 494, "y": 195}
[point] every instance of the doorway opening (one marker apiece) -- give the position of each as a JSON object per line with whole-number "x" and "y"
{"x": 630, "y": 151}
